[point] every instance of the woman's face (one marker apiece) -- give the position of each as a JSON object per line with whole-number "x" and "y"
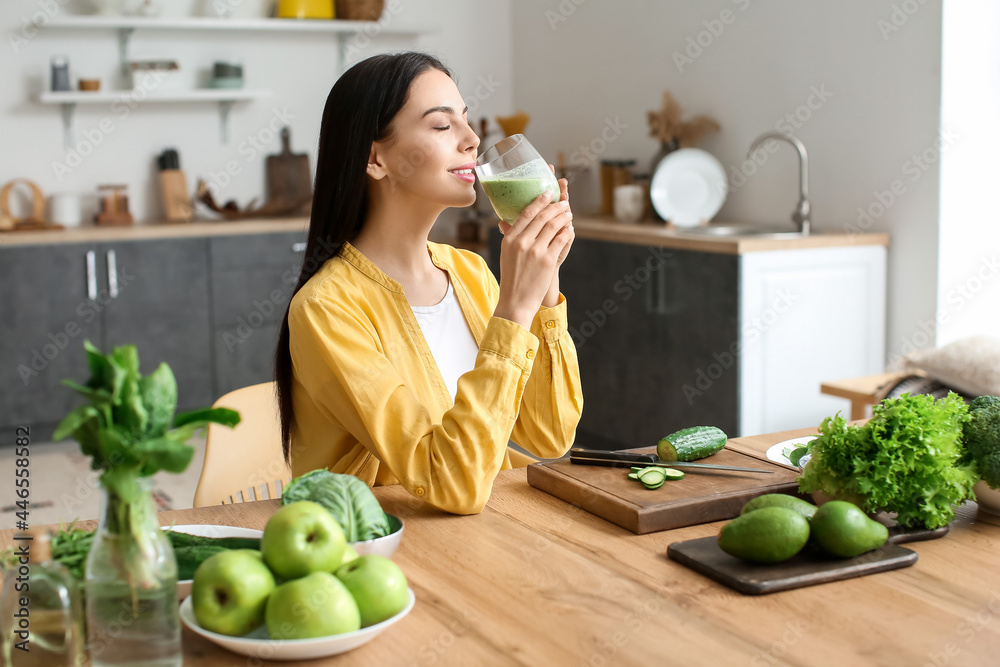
{"x": 432, "y": 150}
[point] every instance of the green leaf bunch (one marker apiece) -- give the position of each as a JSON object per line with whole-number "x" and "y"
{"x": 906, "y": 459}
{"x": 128, "y": 427}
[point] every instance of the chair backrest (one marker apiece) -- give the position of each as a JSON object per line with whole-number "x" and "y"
{"x": 244, "y": 463}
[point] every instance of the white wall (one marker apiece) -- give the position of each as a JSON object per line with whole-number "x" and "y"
{"x": 474, "y": 40}
{"x": 969, "y": 280}
{"x": 610, "y": 60}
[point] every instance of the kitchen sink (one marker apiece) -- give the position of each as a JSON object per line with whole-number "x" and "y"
{"x": 742, "y": 230}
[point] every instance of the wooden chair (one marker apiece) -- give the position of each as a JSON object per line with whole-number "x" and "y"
{"x": 244, "y": 463}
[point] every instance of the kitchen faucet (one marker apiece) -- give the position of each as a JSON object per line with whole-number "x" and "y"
{"x": 803, "y": 212}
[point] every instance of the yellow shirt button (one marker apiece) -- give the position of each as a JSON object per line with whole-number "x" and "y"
{"x": 550, "y": 324}
{"x": 530, "y": 354}
{"x": 419, "y": 490}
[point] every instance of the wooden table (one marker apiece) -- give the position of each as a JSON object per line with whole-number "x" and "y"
{"x": 862, "y": 391}
{"x": 534, "y": 581}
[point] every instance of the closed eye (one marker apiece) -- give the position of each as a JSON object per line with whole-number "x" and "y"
{"x": 443, "y": 128}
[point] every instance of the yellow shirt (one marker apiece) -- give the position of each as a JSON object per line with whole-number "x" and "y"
{"x": 369, "y": 400}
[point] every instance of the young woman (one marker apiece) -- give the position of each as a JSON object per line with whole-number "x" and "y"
{"x": 401, "y": 360}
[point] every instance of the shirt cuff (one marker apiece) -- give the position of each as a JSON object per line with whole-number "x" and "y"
{"x": 551, "y": 323}
{"x": 511, "y": 341}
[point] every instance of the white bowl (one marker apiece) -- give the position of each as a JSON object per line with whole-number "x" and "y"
{"x": 259, "y": 645}
{"x": 988, "y": 498}
{"x": 385, "y": 545}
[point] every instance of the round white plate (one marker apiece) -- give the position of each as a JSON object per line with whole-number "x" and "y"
{"x": 776, "y": 452}
{"x": 259, "y": 645}
{"x": 208, "y": 530}
{"x": 689, "y": 187}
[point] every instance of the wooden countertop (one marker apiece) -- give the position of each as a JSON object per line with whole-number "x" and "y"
{"x": 107, "y": 234}
{"x": 602, "y": 229}
{"x": 533, "y": 580}
{"x": 657, "y": 234}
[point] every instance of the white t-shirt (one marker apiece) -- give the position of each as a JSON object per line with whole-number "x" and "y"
{"x": 448, "y": 335}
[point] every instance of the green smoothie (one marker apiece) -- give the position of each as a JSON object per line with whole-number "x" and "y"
{"x": 510, "y": 196}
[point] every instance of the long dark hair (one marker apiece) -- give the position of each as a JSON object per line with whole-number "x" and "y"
{"x": 359, "y": 111}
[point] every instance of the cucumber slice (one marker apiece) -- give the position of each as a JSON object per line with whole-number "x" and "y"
{"x": 636, "y": 469}
{"x": 632, "y": 475}
{"x": 672, "y": 473}
{"x": 652, "y": 475}
{"x": 653, "y": 486}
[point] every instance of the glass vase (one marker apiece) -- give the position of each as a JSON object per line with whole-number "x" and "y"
{"x": 131, "y": 586}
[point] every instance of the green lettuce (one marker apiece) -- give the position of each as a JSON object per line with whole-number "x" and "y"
{"x": 905, "y": 459}
{"x": 351, "y": 502}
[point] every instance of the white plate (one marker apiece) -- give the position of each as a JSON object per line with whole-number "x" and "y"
{"x": 689, "y": 187}
{"x": 775, "y": 452}
{"x": 259, "y": 645}
{"x": 209, "y": 530}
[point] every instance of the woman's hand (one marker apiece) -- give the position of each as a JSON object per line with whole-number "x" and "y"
{"x": 530, "y": 254}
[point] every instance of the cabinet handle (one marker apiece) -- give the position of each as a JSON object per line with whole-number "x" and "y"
{"x": 299, "y": 247}
{"x": 112, "y": 274}
{"x": 91, "y": 275}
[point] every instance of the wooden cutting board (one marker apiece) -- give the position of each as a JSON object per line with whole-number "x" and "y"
{"x": 701, "y": 497}
{"x": 289, "y": 179}
{"x": 808, "y": 568}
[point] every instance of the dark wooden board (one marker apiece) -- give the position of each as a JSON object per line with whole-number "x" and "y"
{"x": 701, "y": 497}
{"x": 808, "y": 568}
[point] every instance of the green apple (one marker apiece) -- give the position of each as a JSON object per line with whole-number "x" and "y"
{"x": 349, "y": 555}
{"x": 378, "y": 586}
{"x": 302, "y": 538}
{"x": 230, "y": 590}
{"x": 316, "y": 605}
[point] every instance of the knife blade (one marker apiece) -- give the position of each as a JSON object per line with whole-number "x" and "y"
{"x": 648, "y": 460}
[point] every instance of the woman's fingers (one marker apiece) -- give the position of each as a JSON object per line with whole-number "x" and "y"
{"x": 563, "y": 189}
{"x": 552, "y": 227}
{"x": 530, "y": 212}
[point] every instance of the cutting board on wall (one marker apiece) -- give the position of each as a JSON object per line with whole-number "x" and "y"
{"x": 289, "y": 179}
{"x": 701, "y": 497}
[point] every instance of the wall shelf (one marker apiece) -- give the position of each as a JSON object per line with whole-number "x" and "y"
{"x": 225, "y": 98}
{"x": 126, "y": 26}
{"x": 209, "y": 23}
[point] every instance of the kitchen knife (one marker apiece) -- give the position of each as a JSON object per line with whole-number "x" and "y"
{"x": 622, "y": 460}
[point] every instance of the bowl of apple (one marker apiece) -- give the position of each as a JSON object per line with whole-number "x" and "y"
{"x": 305, "y": 594}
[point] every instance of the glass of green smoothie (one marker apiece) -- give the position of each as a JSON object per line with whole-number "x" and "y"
{"x": 513, "y": 174}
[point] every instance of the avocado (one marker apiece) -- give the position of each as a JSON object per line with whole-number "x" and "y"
{"x": 806, "y": 509}
{"x": 841, "y": 529}
{"x": 766, "y": 535}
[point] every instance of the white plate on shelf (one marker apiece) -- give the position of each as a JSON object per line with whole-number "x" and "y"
{"x": 258, "y": 644}
{"x": 688, "y": 187}
{"x": 208, "y": 530}
{"x": 776, "y": 452}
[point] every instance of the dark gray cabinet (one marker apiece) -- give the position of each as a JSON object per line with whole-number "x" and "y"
{"x": 162, "y": 307}
{"x": 252, "y": 282}
{"x": 645, "y": 322}
{"x": 210, "y": 307}
{"x": 45, "y": 316}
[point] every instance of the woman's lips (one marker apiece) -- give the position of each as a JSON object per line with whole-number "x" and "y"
{"x": 463, "y": 174}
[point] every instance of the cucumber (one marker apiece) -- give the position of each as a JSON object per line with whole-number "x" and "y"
{"x": 691, "y": 444}
{"x": 633, "y": 475}
{"x": 673, "y": 474}
{"x": 652, "y": 475}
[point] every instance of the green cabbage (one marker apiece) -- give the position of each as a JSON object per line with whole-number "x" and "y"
{"x": 351, "y": 502}
{"x": 905, "y": 459}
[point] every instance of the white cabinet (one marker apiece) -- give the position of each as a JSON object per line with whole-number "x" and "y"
{"x": 806, "y": 316}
